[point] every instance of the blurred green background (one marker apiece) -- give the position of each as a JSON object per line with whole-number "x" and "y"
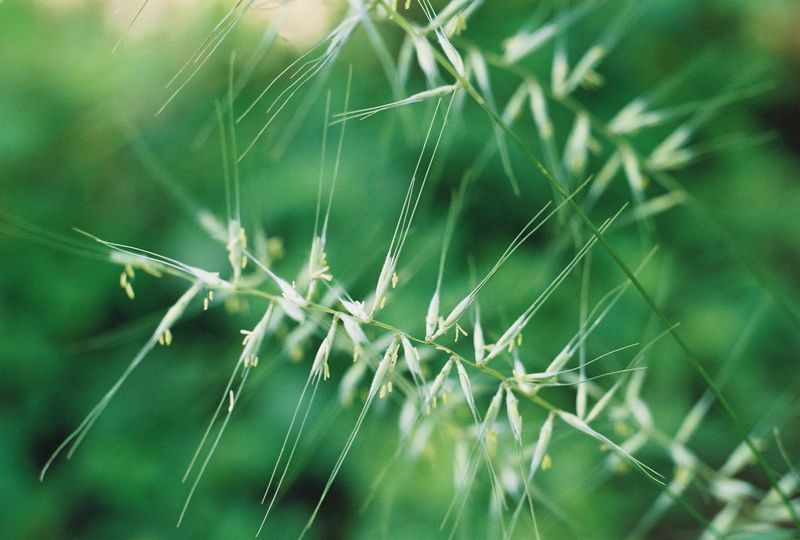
{"x": 74, "y": 116}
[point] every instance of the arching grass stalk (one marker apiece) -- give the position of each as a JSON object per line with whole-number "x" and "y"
{"x": 639, "y": 287}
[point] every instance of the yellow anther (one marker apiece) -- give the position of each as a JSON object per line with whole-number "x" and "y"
{"x": 389, "y": 386}
{"x": 211, "y": 295}
{"x": 165, "y": 338}
{"x": 460, "y": 330}
{"x": 255, "y": 361}
{"x": 129, "y": 290}
{"x": 244, "y": 261}
{"x": 395, "y": 279}
{"x": 123, "y": 279}
{"x": 205, "y": 304}
{"x": 383, "y": 392}
{"x": 547, "y": 462}
{"x": 383, "y": 302}
{"x": 129, "y": 270}
{"x": 519, "y": 340}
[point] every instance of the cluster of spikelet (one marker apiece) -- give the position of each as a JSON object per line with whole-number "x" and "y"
{"x": 432, "y": 376}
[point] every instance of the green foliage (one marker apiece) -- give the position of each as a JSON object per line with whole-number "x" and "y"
{"x": 507, "y": 269}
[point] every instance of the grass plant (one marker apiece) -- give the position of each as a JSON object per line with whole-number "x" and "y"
{"x": 387, "y": 311}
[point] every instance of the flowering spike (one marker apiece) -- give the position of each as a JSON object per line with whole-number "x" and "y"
{"x": 541, "y": 445}
{"x": 451, "y": 319}
{"x": 412, "y": 358}
{"x": 432, "y": 316}
{"x": 514, "y": 418}
{"x": 320, "y": 365}
{"x": 383, "y": 367}
{"x": 466, "y": 387}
